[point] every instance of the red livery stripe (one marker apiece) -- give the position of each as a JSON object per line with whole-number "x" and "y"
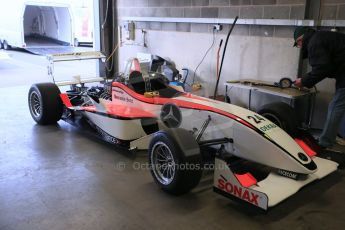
{"x": 183, "y": 104}
{"x": 306, "y": 148}
{"x": 246, "y": 180}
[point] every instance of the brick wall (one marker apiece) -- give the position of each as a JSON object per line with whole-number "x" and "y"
{"x": 333, "y": 9}
{"x": 251, "y": 9}
{"x": 278, "y": 9}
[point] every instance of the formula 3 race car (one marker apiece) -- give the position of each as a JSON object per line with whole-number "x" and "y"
{"x": 254, "y": 160}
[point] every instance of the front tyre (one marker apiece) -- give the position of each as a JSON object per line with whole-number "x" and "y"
{"x": 282, "y": 115}
{"x": 175, "y": 161}
{"x": 45, "y": 103}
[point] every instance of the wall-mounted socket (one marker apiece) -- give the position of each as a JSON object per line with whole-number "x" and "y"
{"x": 130, "y": 30}
{"x": 217, "y": 27}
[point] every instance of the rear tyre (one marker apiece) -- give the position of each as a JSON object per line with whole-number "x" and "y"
{"x": 175, "y": 161}
{"x": 1, "y": 45}
{"x": 45, "y": 103}
{"x": 282, "y": 115}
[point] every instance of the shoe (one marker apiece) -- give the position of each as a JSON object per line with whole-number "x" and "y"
{"x": 335, "y": 148}
{"x": 340, "y": 141}
{"x": 338, "y": 148}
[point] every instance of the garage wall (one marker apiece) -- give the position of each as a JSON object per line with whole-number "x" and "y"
{"x": 333, "y": 9}
{"x": 213, "y": 8}
{"x": 260, "y": 52}
{"x": 254, "y": 51}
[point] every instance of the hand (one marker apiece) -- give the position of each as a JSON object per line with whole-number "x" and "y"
{"x": 298, "y": 83}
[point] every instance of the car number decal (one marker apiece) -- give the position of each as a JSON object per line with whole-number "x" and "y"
{"x": 256, "y": 118}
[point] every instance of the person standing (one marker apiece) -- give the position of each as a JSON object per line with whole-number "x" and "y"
{"x": 325, "y": 51}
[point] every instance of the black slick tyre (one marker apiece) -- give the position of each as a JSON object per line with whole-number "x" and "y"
{"x": 175, "y": 161}
{"x": 45, "y": 104}
{"x": 282, "y": 115}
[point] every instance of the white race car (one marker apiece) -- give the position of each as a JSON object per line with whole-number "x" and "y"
{"x": 254, "y": 160}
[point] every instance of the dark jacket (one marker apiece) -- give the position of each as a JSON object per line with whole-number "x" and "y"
{"x": 326, "y": 53}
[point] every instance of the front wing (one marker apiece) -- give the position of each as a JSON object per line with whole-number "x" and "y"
{"x": 268, "y": 192}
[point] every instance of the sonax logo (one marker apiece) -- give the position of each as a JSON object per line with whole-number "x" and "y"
{"x": 240, "y": 192}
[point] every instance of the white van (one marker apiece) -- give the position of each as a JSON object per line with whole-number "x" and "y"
{"x": 36, "y": 23}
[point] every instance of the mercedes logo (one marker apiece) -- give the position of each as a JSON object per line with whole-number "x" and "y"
{"x": 171, "y": 115}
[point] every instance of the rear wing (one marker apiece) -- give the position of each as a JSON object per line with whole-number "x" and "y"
{"x": 77, "y": 56}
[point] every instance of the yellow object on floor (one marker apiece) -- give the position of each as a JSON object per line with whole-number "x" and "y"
{"x": 196, "y": 86}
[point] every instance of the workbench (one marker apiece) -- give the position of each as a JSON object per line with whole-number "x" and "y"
{"x": 291, "y": 94}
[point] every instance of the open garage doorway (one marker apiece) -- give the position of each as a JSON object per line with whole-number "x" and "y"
{"x": 47, "y": 26}
{"x": 43, "y": 28}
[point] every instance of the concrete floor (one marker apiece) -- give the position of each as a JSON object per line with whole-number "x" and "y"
{"x": 57, "y": 177}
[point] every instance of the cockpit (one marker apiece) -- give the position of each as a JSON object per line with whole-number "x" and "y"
{"x": 143, "y": 83}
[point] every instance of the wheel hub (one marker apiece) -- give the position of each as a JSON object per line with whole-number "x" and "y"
{"x": 35, "y": 104}
{"x": 163, "y": 163}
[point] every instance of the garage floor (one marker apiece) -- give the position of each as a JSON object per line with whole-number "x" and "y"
{"x": 56, "y": 177}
